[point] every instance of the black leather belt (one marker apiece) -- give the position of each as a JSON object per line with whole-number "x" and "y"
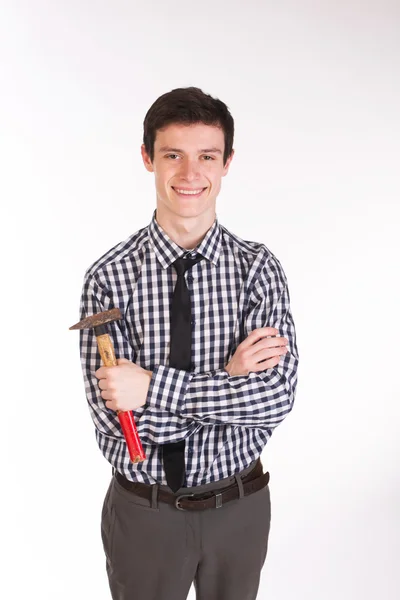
{"x": 252, "y": 482}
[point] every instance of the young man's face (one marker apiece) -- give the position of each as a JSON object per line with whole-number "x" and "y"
{"x": 188, "y": 158}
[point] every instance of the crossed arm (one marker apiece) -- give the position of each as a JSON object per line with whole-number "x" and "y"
{"x": 183, "y": 400}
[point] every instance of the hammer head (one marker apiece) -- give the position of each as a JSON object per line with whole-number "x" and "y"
{"x": 100, "y": 318}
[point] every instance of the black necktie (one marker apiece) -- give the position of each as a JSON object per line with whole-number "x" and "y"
{"x": 179, "y": 358}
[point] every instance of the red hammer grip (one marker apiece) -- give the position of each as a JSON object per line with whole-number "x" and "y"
{"x": 129, "y": 430}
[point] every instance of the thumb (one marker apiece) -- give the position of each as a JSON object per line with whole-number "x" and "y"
{"x": 122, "y": 360}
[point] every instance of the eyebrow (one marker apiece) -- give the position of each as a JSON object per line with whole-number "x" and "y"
{"x": 169, "y": 149}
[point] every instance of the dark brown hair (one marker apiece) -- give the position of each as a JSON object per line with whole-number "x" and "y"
{"x": 187, "y": 106}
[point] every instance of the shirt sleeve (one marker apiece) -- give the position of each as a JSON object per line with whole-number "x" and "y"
{"x": 154, "y": 425}
{"x": 260, "y": 399}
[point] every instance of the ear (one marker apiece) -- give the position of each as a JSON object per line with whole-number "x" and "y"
{"x": 146, "y": 159}
{"x": 228, "y": 162}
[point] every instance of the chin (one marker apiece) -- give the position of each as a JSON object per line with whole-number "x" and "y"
{"x": 184, "y": 207}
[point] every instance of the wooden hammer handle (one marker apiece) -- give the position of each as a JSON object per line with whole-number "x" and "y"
{"x": 125, "y": 418}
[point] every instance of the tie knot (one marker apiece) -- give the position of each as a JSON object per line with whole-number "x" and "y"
{"x": 183, "y": 264}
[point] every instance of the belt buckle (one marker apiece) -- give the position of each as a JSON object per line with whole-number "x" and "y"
{"x": 179, "y": 497}
{"x": 218, "y": 500}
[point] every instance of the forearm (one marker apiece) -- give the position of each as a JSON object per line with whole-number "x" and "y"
{"x": 257, "y": 400}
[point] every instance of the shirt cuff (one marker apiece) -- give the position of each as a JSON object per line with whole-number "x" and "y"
{"x": 167, "y": 388}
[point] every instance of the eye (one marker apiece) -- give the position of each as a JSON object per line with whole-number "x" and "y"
{"x": 169, "y": 155}
{"x": 207, "y": 156}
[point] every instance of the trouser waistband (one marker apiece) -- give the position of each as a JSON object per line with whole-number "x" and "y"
{"x": 211, "y": 495}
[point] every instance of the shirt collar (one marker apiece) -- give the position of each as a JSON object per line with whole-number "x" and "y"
{"x": 167, "y": 251}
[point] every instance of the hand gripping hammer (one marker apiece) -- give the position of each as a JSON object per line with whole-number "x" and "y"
{"x": 106, "y": 349}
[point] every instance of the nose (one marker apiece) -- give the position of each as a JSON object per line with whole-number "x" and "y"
{"x": 190, "y": 170}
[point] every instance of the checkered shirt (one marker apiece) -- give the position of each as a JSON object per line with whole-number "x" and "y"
{"x": 225, "y": 420}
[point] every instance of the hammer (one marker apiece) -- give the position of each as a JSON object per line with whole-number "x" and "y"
{"x": 106, "y": 349}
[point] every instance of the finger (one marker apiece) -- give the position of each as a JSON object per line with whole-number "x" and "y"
{"x": 101, "y": 372}
{"x": 274, "y": 343}
{"x": 266, "y": 353}
{"x": 267, "y": 364}
{"x": 257, "y": 334}
{"x": 122, "y": 360}
{"x": 106, "y": 395}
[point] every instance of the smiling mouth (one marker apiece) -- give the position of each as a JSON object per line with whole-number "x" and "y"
{"x": 189, "y": 193}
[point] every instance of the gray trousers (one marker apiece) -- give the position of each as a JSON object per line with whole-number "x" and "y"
{"x": 155, "y": 551}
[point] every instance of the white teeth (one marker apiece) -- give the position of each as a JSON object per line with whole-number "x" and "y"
{"x": 191, "y": 193}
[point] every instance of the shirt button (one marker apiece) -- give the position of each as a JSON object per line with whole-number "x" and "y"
{"x": 193, "y": 321}
{"x": 190, "y": 278}
{"x": 190, "y": 450}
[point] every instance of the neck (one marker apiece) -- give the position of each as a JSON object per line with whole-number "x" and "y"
{"x": 187, "y": 232}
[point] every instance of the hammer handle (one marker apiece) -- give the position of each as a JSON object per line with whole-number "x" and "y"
{"x": 125, "y": 418}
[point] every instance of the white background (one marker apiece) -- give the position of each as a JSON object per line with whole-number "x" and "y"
{"x": 314, "y": 90}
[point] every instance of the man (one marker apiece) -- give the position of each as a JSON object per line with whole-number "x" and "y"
{"x": 207, "y": 362}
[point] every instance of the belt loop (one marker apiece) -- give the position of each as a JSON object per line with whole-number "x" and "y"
{"x": 240, "y": 485}
{"x": 113, "y": 471}
{"x": 154, "y": 495}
